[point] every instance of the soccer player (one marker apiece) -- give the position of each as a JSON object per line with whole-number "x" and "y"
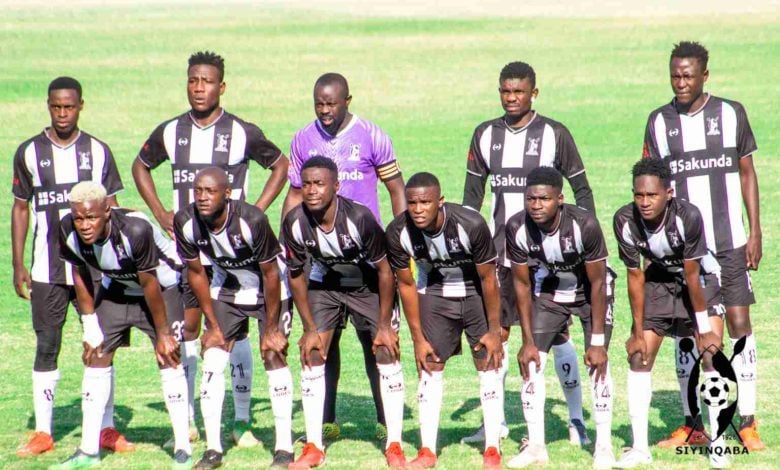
{"x": 667, "y": 297}
{"x": 559, "y": 264}
{"x": 238, "y": 241}
{"x": 46, "y": 166}
{"x": 349, "y": 277}
{"x": 364, "y": 155}
{"x": 456, "y": 291}
{"x": 708, "y": 144}
{"x": 503, "y": 151}
{"x": 140, "y": 288}
{"x": 207, "y": 135}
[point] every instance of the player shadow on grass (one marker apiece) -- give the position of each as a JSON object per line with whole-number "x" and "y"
{"x": 67, "y": 418}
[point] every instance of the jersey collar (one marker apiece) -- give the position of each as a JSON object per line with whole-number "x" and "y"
{"x": 339, "y": 133}
{"x": 517, "y": 130}
{"x": 63, "y": 147}
{"x": 694, "y": 113}
{"x": 195, "y": 123}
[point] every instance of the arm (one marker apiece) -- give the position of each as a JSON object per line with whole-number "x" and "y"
{"x": 92, "y": 338}
{"x": 167, "y": 348}
{"x": 274, "y": 184}
{"x": 582, "y": 192}
{"x": 386, "y": 337}
{"x": 20, "y": 222}
{"x": 407, "y": 289}
{"x": 293, "y": 199}
{"x": 310, "y": 340}
{"x": 596, "y": 355}
{"x": 273, "y": 340}
{"x": 636, "y": 298}
{"x": 749, "y": 180}
{"x": 521, "y": 280}
{"x": 707, "y": 338}
{"x": 199, "y": 283}
{"x": 492, "y": 340}
{"x": 395, "y": 187}
{"x": 148, "y": 191}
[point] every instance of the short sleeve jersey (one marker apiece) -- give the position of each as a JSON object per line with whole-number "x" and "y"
{"x": 44, "y": 173}
{"x": 446, "y": 260}
{"x": 236, "y": 251}
{"x": 362, "y": 152}
{"x": 343, "y": 257}
{"x": 679, "y": 237}
{"x": 134, "y": 245}
{"x": 557, "y": 260}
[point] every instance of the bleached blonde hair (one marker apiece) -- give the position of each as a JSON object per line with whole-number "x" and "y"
{"x": 87, "y": 191}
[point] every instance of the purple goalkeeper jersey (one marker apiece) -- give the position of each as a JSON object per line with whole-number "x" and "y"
{"x": 362, "y": 152}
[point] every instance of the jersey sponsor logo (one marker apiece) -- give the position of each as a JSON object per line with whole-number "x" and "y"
{"x": 45, "y": 163}
{"x": 354, "y": 175}
{"x": 346, "y": 241}
{"x": 122, "y": 276}
{"x": 183, "y": 141}
{"x": 533, "y": 146}
{"x": 52, "y": 197}
{"x": 712, "y": 126}
{"x": 228, "y": 264}
{"x": 508, "y": 181}
{"x": 693, "y": 164}
{"x": 84, "y": 163}
{"x": 183, "y": 176}
{"x": 222, "y": 143}
{"x": 354, "y": 153}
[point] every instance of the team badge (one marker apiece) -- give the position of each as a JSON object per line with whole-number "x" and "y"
{"x": 346, "y": 241}
{"x": 120, "y": 252}
{"x": 712, "y": 126}
{"x": 354, "y": 153}
{"x": 454, "y": 245}
{"x": 222, "y": 143}
{"x": 237, "y": 241}
{"x": 674, "y": 239}
{"x": 533, "y": 146}
{"x": 84, "y": 161}
{"x": 568, "y": 245}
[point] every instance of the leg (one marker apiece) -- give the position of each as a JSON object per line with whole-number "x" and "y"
{"x": 568, "y": 371}
{"x": 370, "y": 363}
{"x": 332, "y": 374}
{"x": 189, "y": 356}
{"x": 241, "y": 374}
{"x": 280, "y": 389}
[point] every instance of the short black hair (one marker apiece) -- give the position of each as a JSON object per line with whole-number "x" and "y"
{"x": 423, "y": 179}
{"x": 321, "y": 162}
{"x": 65, "y": 83}
{"x": 333, "y": 78}
{"x": 208, "y": 58}
{"x": 519, "y": 70}
{"x": 691, "y": 49}
{"x": 545, "y": 176}
{"x": 652, "y": 167}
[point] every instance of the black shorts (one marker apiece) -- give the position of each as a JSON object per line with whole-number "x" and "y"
{"x": 118, "y": 314}
{"x": 49, "y": 303}
{"x": 234, "y": 319}
{"x": 331, "y": 308}
{"x": 551, "y": 319}
{"x": 509, "y": 316}
{"x": 735, "y": 284}
{"x": 668, "y": 309}
{"x": 190, "y": 301}
{"x": 444, "y": 319}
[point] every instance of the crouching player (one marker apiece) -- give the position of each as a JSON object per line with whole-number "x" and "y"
{"x": 350, "y": 277}
{"x": 679, "y": 285}
{"x": 456, "y": 290}
{"x": 559, "y": 261}
{"x": 239, "y": 243}
{"x": 140, "y": 288}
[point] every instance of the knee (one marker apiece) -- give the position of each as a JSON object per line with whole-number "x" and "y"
{"x": 273, "y": 360}
{"x": 383, "y": 355}
{"x": 738, "y": 320}
{"x": 504, "y": 334}
{"x": 47, "y": 349}
{"x": 636, "y": 364}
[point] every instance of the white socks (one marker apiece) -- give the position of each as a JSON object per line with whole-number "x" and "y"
{"x": 532, "y": 396}
{"x": 492, "y": 405}
{"x": 640, "y": 393}
{"x": 391, "y": 384}
{"x": 241, "y": 370}
{"x": 567, "y": 368}
{"x": 212, "y": 394}
{"x": 174, "y": 388}
{"x": 313, "y": 400}
{"x": 684, "y": 362}
{"x": 429, "y": 396}
{"x": 747, "y": 372}
{"x": 95, "y": 388}
{"x": 503, "y": 373}
{"x": 44, "y": 389}
{"x": 108, "y": 415}
{"x": 189, "y": 361}
{"x": 280, "y": 389}
{"x": 602, "y": 393}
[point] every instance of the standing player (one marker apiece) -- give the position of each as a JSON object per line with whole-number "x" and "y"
{"x": 140, "y": 288}
{"x": 668, "y": 295}
{"x": 708, "y": 144}
{"x": 205, "y": 136}
{"x": 45, "y": 168}
{"x": 504, "y": 151}
{"x": 349, "y": 277}
{"x": 364, "y": 154}
{"x": 243, "y": 250}
{"x": 559, "y": 264}
{"x": 456, "y": 291}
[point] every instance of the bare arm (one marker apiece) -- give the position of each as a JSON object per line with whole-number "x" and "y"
{"x": 310, "y": 340}
{"x": 521, "y": 280}
{"x": 596, "y": 355}
{"x": 706, "y": 337}
{"x": 84, "y": 293}
{"x": 199, "y": 283}
{"x": 142, "y": 176}
{"x": 294, "y": 198}
{"x": 274, "y": 184}
{"x": 635, "y": 344}
{"x": 749, "y": 181}
{"x": 491, "y": 299}
{"x": 395, "y": 187}
{"x": 167, "y": 348}
{"x": 20, "y": 222}
{"x": 407, "y": 288}
{"x": 272, "y": 292}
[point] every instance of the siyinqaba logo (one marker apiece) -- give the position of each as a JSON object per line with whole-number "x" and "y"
{"x": 719, "y": 393}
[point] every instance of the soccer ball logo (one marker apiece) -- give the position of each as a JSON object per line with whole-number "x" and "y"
{"x": 714, "y": 391}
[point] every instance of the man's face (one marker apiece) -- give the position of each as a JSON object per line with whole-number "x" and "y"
{"x": 319, "y": 187}
{"x": 331, "y": 105}
{"x": 91, "y": 220}
{"x": 687, "y": 79}
{"x": 64, "y": 108}
{"x": 210, "y": 197}
{"x": 204, "y": 88}
{"x": 651, "y": 197}
{"x": 542, "y": 202}
{"x": 423, "y": 205}
{"x": 516, "y": 94}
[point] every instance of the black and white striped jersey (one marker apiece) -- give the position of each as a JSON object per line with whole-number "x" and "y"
{"x": 44, "y": 173}
{"x": 557, "y": 260}
{"x": 228, "y": 143}
{"x": 134, "y": 244}
{"x": 343, "y": 257}
{"x": 447, "y": 260}
{"x": 505, "y": 156}
{"x": 236, "y": 251}
{"x": 703, "y": 151}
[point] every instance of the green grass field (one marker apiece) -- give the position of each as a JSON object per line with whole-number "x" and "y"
{"x": 428, "y": 83}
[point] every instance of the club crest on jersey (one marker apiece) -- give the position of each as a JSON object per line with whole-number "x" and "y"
{"x": 712, "y": 126}
{"x": 237, "y": 241}
{"x": 454, "y": 245}
{"x": 568, "y": 245}
{"x": 674, "y": 132}
{"x": 354, "y": 153}
{"x": 45, "y": 163}
{"x": 346, "y": 241}
{"x": 183, "y": 141}
{"x": 120, "y": 252}
{"x": 533, "y": 146}
{"x": 674, "y": 239}
{"x": 84, "y": 161}
{"x": 222, "y": 143}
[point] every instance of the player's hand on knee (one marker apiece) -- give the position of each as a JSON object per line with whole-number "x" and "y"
{"x": 92, "y": 338}
{"x": 528, "y": 354}
{"x": 273, "y": 341}
{"x": 212, "y": 338}
{"x": 387, "y": 337}
{"x": 636, "y": 345}
{"x": 596, "y": 360}
{"x": 709, "y": 341}
{"x": 422, "y": 352}
{"x": 309, "y": 344}
{"x": 22, "y": 282}
{"x": 167, "y": 350}
{"x": 494, "y": 349}
{"x": 90, "y": 353}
